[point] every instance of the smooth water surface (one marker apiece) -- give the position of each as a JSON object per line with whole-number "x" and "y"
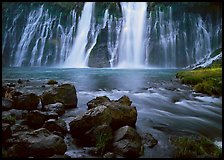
{"x": 165, "y": 107}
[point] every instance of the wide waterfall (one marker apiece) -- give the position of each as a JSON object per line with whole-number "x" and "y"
{"x": 162, "y": 37}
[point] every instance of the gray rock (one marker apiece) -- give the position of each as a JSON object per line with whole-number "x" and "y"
{"x": 56, "y": 125}
{"x": 149, "y": 140}
{"x": 127, "y": 142}
{"x": 38, "y": 144}
{"x": 56, "y": 107}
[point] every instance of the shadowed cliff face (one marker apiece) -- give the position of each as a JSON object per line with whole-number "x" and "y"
{"x": 43, "y": 34}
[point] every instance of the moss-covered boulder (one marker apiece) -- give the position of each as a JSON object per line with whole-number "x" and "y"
{"x": 65, "y": 94}
{"x": 98, "y": 101}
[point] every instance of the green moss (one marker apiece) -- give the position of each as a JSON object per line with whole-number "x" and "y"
{"x": 205, "y": 80}
{"x": 195, "y": 147}
{"x": 11, "y": 119}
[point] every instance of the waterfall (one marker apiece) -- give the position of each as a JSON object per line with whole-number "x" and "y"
{"x": 131, "y": 48}
{"x": 164, "y": 37}
{"x": 78, "y": 53}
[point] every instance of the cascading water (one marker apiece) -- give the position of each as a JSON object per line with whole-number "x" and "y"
{"x": 131, "y": 48}
{"x": 135, "y": 38}
{"x": 78, "y": 53}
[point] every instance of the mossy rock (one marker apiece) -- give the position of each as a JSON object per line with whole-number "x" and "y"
{"x": 52, "y": 82}
{"x": 65, "y": 94}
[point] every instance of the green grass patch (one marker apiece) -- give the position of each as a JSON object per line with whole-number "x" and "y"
{"x": 195, "y": 147}
{"x": 204, "y": 80}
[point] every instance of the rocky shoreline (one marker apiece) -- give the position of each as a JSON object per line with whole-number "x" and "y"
{"x": 32, "y": 125}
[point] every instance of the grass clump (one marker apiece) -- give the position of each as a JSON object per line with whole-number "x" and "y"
{"x": 204, "y": 80}
{"x": 195, "y": 147}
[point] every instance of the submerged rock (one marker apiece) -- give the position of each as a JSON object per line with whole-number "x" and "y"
{"x": 50, "y": 82}
{"x": 149, "y": 140}
{"x": 65, "y": 93}
{"x": 127, "y": 142}
{"x": 38, "y": 144}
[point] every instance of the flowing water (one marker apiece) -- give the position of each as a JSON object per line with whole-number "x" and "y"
{"x": 164, "y": 106}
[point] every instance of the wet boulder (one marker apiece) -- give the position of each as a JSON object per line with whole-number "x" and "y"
{"x": 127, "y": 142}
{"x": 59, "y": 108}
{"x": 6, "y": 131}
{"x": 102, "y": 100}
{"x": 39, "y": 143}
{"x": 92, "y": 118}
{"x": 65, "y": 94}
{"x": 113, "y": 113}
{"x": 56, "y": 125}
{"x": 28, "y": 101}
{"x": 36, "y": 118}
{"x": 149, "y": 140}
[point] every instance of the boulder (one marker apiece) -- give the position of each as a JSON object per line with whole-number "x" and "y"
{"x": 59, "y": 108}
{"x": 6, "y": 104}
{"x": 127, "y": 142}
{"x": 102, "y": 100}
{"x": 56, "y": 125}
{"x": 26, "y": 101}
{"x": 124, "y": 100}
{"x": 38, "y": 144}
{"x": 65, "y": 93}
{"x": 113, "y": 113}
{"x": 36, "y": 118}
{"x": 92, "y": 118}
{"x": 149, "y": 140}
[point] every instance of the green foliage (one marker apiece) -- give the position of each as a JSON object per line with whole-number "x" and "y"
{"x": 195, "y": 147}
{"x": 11, "y": 119}
{"x": 205, "y": 80}
{"x": 102, "y": 140}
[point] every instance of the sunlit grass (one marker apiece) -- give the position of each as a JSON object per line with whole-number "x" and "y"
{"x": 205, "y": 80}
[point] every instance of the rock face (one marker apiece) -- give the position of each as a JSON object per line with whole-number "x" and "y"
{"x": 38, "y": 144}
{"x": 65, "y": 93}
{"x": 127, "y": 142}
{"x": 26, "y": 101}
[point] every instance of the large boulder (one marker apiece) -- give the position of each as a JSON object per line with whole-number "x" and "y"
{"x": 65, "y": 93}
{"x": 38, "y": 144}
{"x": 92, "y": 118}
{"x": 28, "y": 101}
{"x": 127, "y": 142}
{"x": 113, "y": 113}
